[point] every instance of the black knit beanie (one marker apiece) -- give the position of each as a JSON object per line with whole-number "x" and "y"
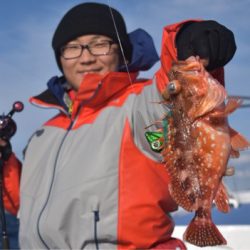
{"x": 87, "y": 19}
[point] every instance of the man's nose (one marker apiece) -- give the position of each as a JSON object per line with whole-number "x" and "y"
{"x": 86, "y": 56}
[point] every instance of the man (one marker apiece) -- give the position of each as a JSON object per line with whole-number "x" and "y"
{"x": 89, "y": 178}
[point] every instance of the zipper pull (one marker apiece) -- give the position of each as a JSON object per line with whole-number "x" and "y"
{"x": 96, "y": 214}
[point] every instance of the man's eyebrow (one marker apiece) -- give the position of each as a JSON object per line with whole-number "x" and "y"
{"x": 96, "y": 37}
{"x": 93, "y": 39}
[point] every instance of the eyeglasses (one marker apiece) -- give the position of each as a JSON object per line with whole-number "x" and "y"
{"x": 73, "y": 51}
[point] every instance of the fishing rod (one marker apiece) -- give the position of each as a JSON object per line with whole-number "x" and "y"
{"x": 7, "y": 130}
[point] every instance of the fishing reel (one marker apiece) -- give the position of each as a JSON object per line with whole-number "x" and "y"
{"x": 7, "y": 124}
{"x": 7, "y": 130}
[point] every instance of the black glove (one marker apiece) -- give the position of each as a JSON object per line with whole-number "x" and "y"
{"x": 6, "y": 151}
{"x": 207, "y": 39}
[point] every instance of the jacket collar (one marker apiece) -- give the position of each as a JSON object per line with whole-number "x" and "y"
{"x": 95, "y": 90}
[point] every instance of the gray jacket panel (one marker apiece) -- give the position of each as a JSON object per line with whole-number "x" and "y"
{"x": 70, "y": 179}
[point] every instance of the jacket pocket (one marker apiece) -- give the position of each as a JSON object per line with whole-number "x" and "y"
{"x": 90, "y": 221}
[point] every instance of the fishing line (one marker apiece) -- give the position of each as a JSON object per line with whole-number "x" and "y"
{"x": 120, "y": 44}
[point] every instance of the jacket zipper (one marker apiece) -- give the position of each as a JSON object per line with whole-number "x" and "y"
{"x": 53, "y": 176}
{"x": 55, "y": 164}
{"x": 51, "y": 185}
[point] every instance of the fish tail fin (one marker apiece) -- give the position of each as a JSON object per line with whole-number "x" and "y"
{"x": 221, "y": 199}
{"x": 203, "y": 234}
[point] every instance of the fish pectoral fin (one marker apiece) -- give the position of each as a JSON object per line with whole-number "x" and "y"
{"x": 216, "y": 94}
{"x": 232, "y": 105}
{"x": 238, "y": 142}
{"x": 229, "y": 108}
{"x": 221, "y": 199}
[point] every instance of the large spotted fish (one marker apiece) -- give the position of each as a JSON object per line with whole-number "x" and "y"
{"x": 199, "y": 146}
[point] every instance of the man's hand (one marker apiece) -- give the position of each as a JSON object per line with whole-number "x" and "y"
{"x": 207, "y": 39}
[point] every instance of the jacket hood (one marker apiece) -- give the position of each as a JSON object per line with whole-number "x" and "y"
{"x": 144, "y": 54}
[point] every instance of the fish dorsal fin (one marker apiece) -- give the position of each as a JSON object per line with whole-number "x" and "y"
{"x": 234, "y": 153}
{"x": 238, "y": 142}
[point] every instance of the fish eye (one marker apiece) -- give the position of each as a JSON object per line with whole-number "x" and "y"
{"x": 174, "y": 87}
{"x": 171, "y": 87}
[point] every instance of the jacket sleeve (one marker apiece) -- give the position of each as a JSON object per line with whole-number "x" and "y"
{"x": 172, "y": 243}
{"x": 11, "y": 184}
{"x": 169, "y": 55}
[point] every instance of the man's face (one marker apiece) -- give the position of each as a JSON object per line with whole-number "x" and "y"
{"x": 76, "y": 65}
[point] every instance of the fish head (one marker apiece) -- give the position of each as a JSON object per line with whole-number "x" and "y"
{"x": 187, "y": 83}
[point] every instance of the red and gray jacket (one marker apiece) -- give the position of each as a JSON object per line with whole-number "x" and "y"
{"x": 90, "y": 179}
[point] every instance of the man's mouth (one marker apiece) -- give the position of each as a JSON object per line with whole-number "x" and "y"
{"x": 85, "y": 72}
